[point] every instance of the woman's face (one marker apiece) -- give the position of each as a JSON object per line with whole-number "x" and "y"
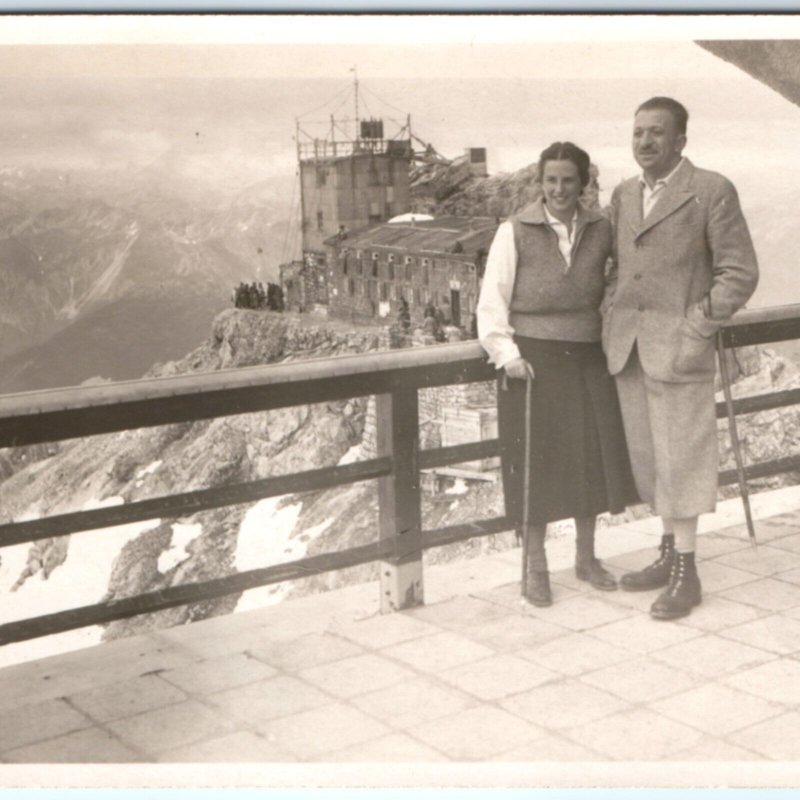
{"x": 562, "y": 187}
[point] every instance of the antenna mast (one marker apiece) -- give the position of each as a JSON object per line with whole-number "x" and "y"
{"x": 355, "y": 85}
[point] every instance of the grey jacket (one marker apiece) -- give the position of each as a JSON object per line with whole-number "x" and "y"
{"x": 677, "y": 275}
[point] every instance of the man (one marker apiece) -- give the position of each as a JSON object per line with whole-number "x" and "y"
{"x": 684, "y": 263}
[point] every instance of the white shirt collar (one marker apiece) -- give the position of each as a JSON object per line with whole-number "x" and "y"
{"x": 662, "y": 181}
{"x": 551, "y": 220}
{"x": 564, "y": 234}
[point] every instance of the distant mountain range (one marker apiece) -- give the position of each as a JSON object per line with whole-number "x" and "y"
{"x": 103, "y": 275}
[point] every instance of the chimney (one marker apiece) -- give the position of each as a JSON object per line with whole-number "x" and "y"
{"x": 476, "y": 158}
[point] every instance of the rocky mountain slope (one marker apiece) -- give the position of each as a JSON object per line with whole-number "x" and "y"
{"x": 151, "y": 462}
{"x": 87, "y": 258}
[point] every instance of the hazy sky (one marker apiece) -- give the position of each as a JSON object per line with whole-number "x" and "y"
{"x": 217, "y": 97}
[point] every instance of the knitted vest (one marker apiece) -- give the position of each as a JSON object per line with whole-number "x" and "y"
{"x": 550, "y": 301}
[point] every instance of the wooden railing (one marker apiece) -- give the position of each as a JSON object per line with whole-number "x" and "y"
{"x": 394, "y": 377}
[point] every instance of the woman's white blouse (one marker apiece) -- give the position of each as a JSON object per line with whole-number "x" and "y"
{"x": 494, "y": 331}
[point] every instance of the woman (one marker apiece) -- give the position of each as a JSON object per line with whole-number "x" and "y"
{"x": 538, "y": 318}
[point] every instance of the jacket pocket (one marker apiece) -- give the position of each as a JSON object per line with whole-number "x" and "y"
{"x": 695, "y": 353}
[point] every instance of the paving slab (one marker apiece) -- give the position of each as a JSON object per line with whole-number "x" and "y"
{"x": 640, "y": 680}
{"x": 717, "y": 709}
{"x": 712, "y": 656}
{"x": 311, "y": 734}
{"x": 39, "y": 722}
{"x": 563, "y": 704}
{"x": 92, "y": 745}
{"x": 496, "y": 677}
{"x": 638, "y": 734}
{"x": 356, "y": 675}
{"x": 434, "y": 654}
{"x": 476, "y": 734}
{"x": 775, "y": 739}
{"x": 241, "y": 746}
{"x": 216, "y": 674}
{"x": 394, "y": 747}
{"x": 127, "y": 698}
{"x": 414, "y": 702}
{"x": 268, "y": 699}
{"x": 575, "y": 654}
{"x": 171, "y": 726}
{"x": 302, "y": 652}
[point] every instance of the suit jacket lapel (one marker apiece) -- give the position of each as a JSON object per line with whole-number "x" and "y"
{"x": 675, "y": 194}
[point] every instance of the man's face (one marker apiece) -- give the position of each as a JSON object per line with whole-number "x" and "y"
{"x": 657, "y": 143}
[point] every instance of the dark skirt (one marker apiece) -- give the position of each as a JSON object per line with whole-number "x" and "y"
{"x": 579, "y": 458}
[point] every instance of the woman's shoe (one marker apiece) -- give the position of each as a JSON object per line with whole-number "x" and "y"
{"x": 594, "y": 573}
{"x": 537, "y": 592}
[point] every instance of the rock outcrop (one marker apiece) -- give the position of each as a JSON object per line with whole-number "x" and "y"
{"x": 453, "y": 190}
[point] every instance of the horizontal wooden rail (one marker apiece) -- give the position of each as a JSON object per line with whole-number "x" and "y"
{"x": 762, "y": 326}
{"x": 761, "y": 402}
{"x": 181, "y": 505}
{"x": 54, "y": 415}
{"x": 763, "y": 469}
{"x": 185, "y": 594}
{"x": 458, "y": 453}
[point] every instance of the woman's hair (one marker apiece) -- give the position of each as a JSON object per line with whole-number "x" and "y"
{"x": 566, "y": 151}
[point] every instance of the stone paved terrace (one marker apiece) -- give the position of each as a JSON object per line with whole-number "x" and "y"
{"x": 472, "y": 676}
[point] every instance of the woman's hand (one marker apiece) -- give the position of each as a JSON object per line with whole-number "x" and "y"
{"x": 519, "y": 369}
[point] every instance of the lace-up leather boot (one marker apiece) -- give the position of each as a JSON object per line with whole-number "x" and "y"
{"x": 684, "y": 591}
{"x": 654, "y": 575}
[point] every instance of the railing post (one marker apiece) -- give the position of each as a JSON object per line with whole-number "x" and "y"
{"x": 400, "y": 513}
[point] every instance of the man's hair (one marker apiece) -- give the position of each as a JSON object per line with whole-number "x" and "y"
{"x": 566, "y": 151}
{"x": 678, "y": 111}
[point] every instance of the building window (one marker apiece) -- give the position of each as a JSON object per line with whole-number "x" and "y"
{"x": 417, "y": 296}
{"x": 388, "y": 210}
{"x": 426, "y": 275}
{"x": 374, "y": 265}
{"x": 319, "y": 220}
{"x": 322, "y": 176}
{"x": 390, "y": 268}
{"x": 351, "y": 287}
{"x": 344, "y": 263}
{"x": 375, "y": 212}
{"x": 384, "y": 291}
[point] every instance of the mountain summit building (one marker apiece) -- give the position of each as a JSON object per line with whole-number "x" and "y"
{"x": 356, "y": 262}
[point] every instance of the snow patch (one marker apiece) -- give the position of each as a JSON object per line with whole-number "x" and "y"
{"x": 459, "y": 487}
{"x": 182, "y": 534}
{"x": 267, "y": 537}
{"x": 81, "y": 580}
{"x": 149, "y": 469}
{"x": 352, "y": 455}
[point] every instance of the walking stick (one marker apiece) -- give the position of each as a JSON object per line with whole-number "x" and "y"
{"x": 526, "y": 486}
{"x": 526, "y": 476}
{"x": 737, "y": 451}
